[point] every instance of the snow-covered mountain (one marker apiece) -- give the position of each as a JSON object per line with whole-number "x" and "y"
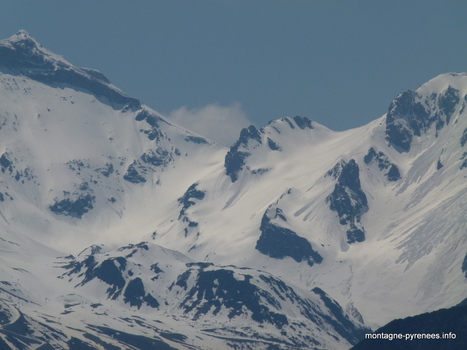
{"x": 119, "y": 229}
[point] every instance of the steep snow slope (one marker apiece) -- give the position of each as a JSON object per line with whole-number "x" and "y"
{"x": 121, "y": 229}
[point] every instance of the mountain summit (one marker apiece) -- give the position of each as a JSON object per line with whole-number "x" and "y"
{"x": 21, "y": 54}
{"x": 120, "y": 229}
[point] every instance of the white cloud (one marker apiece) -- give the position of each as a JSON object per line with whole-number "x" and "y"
{"x": 218, "y": 123}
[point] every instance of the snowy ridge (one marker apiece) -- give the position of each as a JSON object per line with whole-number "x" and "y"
{"x": 21, "y": 54}
{"x": 120, "y": 229}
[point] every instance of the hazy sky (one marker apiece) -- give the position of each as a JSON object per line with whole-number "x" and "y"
{"x": 337, "y": 62}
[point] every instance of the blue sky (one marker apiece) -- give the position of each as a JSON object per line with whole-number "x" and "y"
{"x": 337, "y": 62}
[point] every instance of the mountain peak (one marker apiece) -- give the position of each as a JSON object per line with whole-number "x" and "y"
{"x": 413, "y": 113}
{"x": 21, "y": 54}
{"x": 21, "y": 38}
{"x": 21, "y": 35}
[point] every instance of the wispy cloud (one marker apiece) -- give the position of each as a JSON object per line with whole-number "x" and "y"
{"x": 219, "y": 123}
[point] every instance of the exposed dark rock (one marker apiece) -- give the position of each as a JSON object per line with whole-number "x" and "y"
{"x": 107, "y": 170}
{"x": 196, "y": 139}
{"x": 464, "y": 161}
{"x": 464, "y": 265}
{"x": 20, "y": 326}
{"x": 234, "y": 163}
{"x": 159, "y": 157}
{"x": 4, "y": 345}
{"x": 74, "y": 207}
{"x": 78, "y": 344}
{"x": 77, "y": 165}
{"x": 336, "y": 170}
{"x": 26, "y": 333}
{"x": 448, "y": 101}
{"x": 288, "y": 121}
{"x": 153, "y": 120}
{"x": 219, "y": 289}
{"x": 150, "y": 118}
{"x": 151, "y": 301}
{"x": 177, "y": 337}
{"x": 134, "y": 292}
{"x": 303, "y": 122}
{"x": 372, "y": 155}
{"x": 111, "y": 272}
{"x": 84, "y": 186}
{"x": 99, "y": 341}
{"x": 153, "y": 133}
{"x": 279, "y": 242}
{"x": 410, "y": 116}
{"x": 235, "y": 159}
{"x": 383, "y": 164}
{"x": 7, "y": 167}
{"x": 142, "y": 245}
{"x": 187, "y": 201}
{"x": 210, "y": 291}
{"x": 355, "y": 234}
{"x": 393, "y": 174}
{"x": 250, "y": 133}
{"x": 259, "y": 171}
{"x": 23, "y": 175}
{"x": 6, "y": 163}
{"x": 273, "y": 146}
{"x": 134, "y": 248}
{"x": 464, "y": 138}
{"x": 155, "y": 268}
{"x": 132, "y": 175}
{"x": 149, "y": 161}
{"x": 134, "y": 341}
{"x": 75, "y": 267}
{"x": 439, "y": 165}
{"x": 190, "y": 194}
{"x": 297, "y": 121}
{"x": 406, "y": 117}
{"x": 4, "y": 196}
{"x": 348, "y": 199}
